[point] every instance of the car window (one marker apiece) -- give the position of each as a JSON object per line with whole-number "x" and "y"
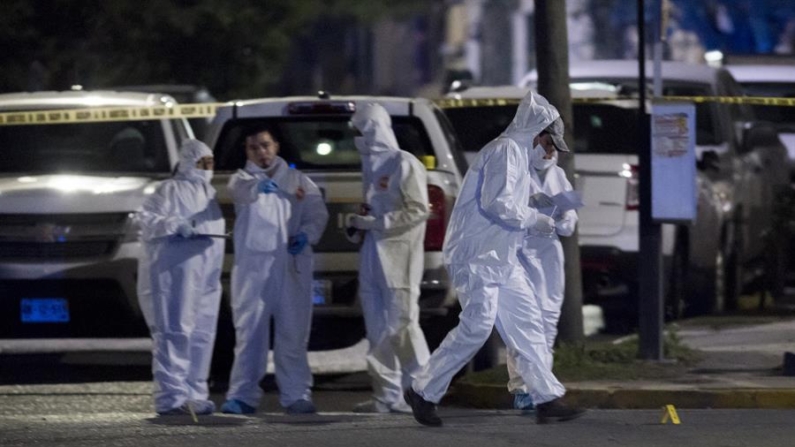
{"x": 775, "y": 114}
{"x": 727, "y": 86}
{"x": 452, "y": 140}
{"x": 708, "y": 131}
{"x": 313, "y": 143}
{"x": 605, "y": 129}
{"x": 103, "y": 147}
{"x": 476, "y": 126}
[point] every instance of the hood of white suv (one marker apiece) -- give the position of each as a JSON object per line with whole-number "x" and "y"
{"x": 70, "y": 193}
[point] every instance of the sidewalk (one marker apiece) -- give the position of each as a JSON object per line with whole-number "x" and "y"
{"x": 740, "y": 368}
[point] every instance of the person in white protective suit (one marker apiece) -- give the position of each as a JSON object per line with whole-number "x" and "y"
{"x": 487, "y": 227}
{"x": 391, "y": 259}
{"x": 542, "y": 254}
{"x": 280, "y": 214}
{"x": 179, "y": 281}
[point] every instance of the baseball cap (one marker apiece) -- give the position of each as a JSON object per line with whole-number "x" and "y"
{"x": 555, "y": 130}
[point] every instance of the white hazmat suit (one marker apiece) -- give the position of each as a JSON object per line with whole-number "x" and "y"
{"x": 486, "y": 232}
{"x": 542, "y": 258}
{"x": 391, "y": 257}
{"x": 179, "y": 281}
{"x": 268, "y": 281}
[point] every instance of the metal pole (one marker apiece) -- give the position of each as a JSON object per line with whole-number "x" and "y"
{"x": 650, "y": 262}
{"x": 552, "y": 59}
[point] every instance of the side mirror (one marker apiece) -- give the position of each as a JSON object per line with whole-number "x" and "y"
{"x": 709, "y": 161}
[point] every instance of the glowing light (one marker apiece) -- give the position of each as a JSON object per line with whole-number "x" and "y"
{"x": 324, "y": 148}
{"x": 27, "y": 180}
{"x": 714, "y": 58}
{"x": 626, "y": 171}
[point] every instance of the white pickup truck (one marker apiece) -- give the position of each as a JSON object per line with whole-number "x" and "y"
{"x": 315, "y": 137}
{"x": 68, "y": 248}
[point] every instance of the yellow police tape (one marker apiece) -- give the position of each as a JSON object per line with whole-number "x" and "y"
{"x": 208, "y": 110}
{"x": 100, "y": 114}
{"x": 452, "y": 103}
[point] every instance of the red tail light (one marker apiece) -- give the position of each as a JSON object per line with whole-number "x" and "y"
{"x": 437, "y": 223}
{"x": 633, "y": 193}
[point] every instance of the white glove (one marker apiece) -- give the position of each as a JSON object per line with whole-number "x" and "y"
{"x": 545, "y": 224}
{"x": 541, "y": 200}
{"x": 363, "y": 222}
{"x": 185, "y": 230}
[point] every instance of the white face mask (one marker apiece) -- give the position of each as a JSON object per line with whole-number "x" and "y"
{"x": 537, "y": 153}
{"x": 206, "y": 175}
{"x": 542, "y": 164}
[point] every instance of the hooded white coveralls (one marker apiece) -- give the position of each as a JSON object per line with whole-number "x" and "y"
{"x": 267, "y": 281}
{"x": 179, "y": 280}
{"x": 392, "y": 256}
{"x": 542, "y": 258}
{"x": 487, "y": 227}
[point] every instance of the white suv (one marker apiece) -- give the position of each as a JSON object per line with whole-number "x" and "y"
{"x": 743, "y": 158}
{"x": 68, "y": 248}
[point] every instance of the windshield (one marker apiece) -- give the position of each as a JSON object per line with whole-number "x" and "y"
{"x": 97, "y": 148}
{"x": 316, "y": 143}
{"x": 775, "y": 114}
{"x": 598, "y": 128}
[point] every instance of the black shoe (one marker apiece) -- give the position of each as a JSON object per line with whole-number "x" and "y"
{"x": 556, "y": 411}
{"x": 424, "y": 411}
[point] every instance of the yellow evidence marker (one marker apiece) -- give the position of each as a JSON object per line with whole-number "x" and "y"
{"x": 669, "y": 412}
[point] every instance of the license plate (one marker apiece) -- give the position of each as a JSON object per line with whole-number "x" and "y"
{"x": 44, "y": 310}
{"x": 321, "y": 292}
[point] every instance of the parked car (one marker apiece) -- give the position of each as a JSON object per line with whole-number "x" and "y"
{"x": 315, "y": 137}
{"x": 775, "y": 81}
{"x": 606, "y": 165}
{"x": 183, "y": 94}
{"x": 743, "y": 157}
{"x": 68, "y": 246}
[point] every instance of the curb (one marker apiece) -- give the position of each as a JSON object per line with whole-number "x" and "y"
{"x": 497, "y": 397}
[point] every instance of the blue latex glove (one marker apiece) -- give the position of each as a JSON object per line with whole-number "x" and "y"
{"x": 267, "y": 186}
{"x": 297, "y": 243}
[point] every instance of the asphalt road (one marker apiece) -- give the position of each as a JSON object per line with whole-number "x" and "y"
{"x": 111, "y": 406}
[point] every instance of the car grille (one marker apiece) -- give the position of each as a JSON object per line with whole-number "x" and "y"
{"x": 58, "y": 237}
